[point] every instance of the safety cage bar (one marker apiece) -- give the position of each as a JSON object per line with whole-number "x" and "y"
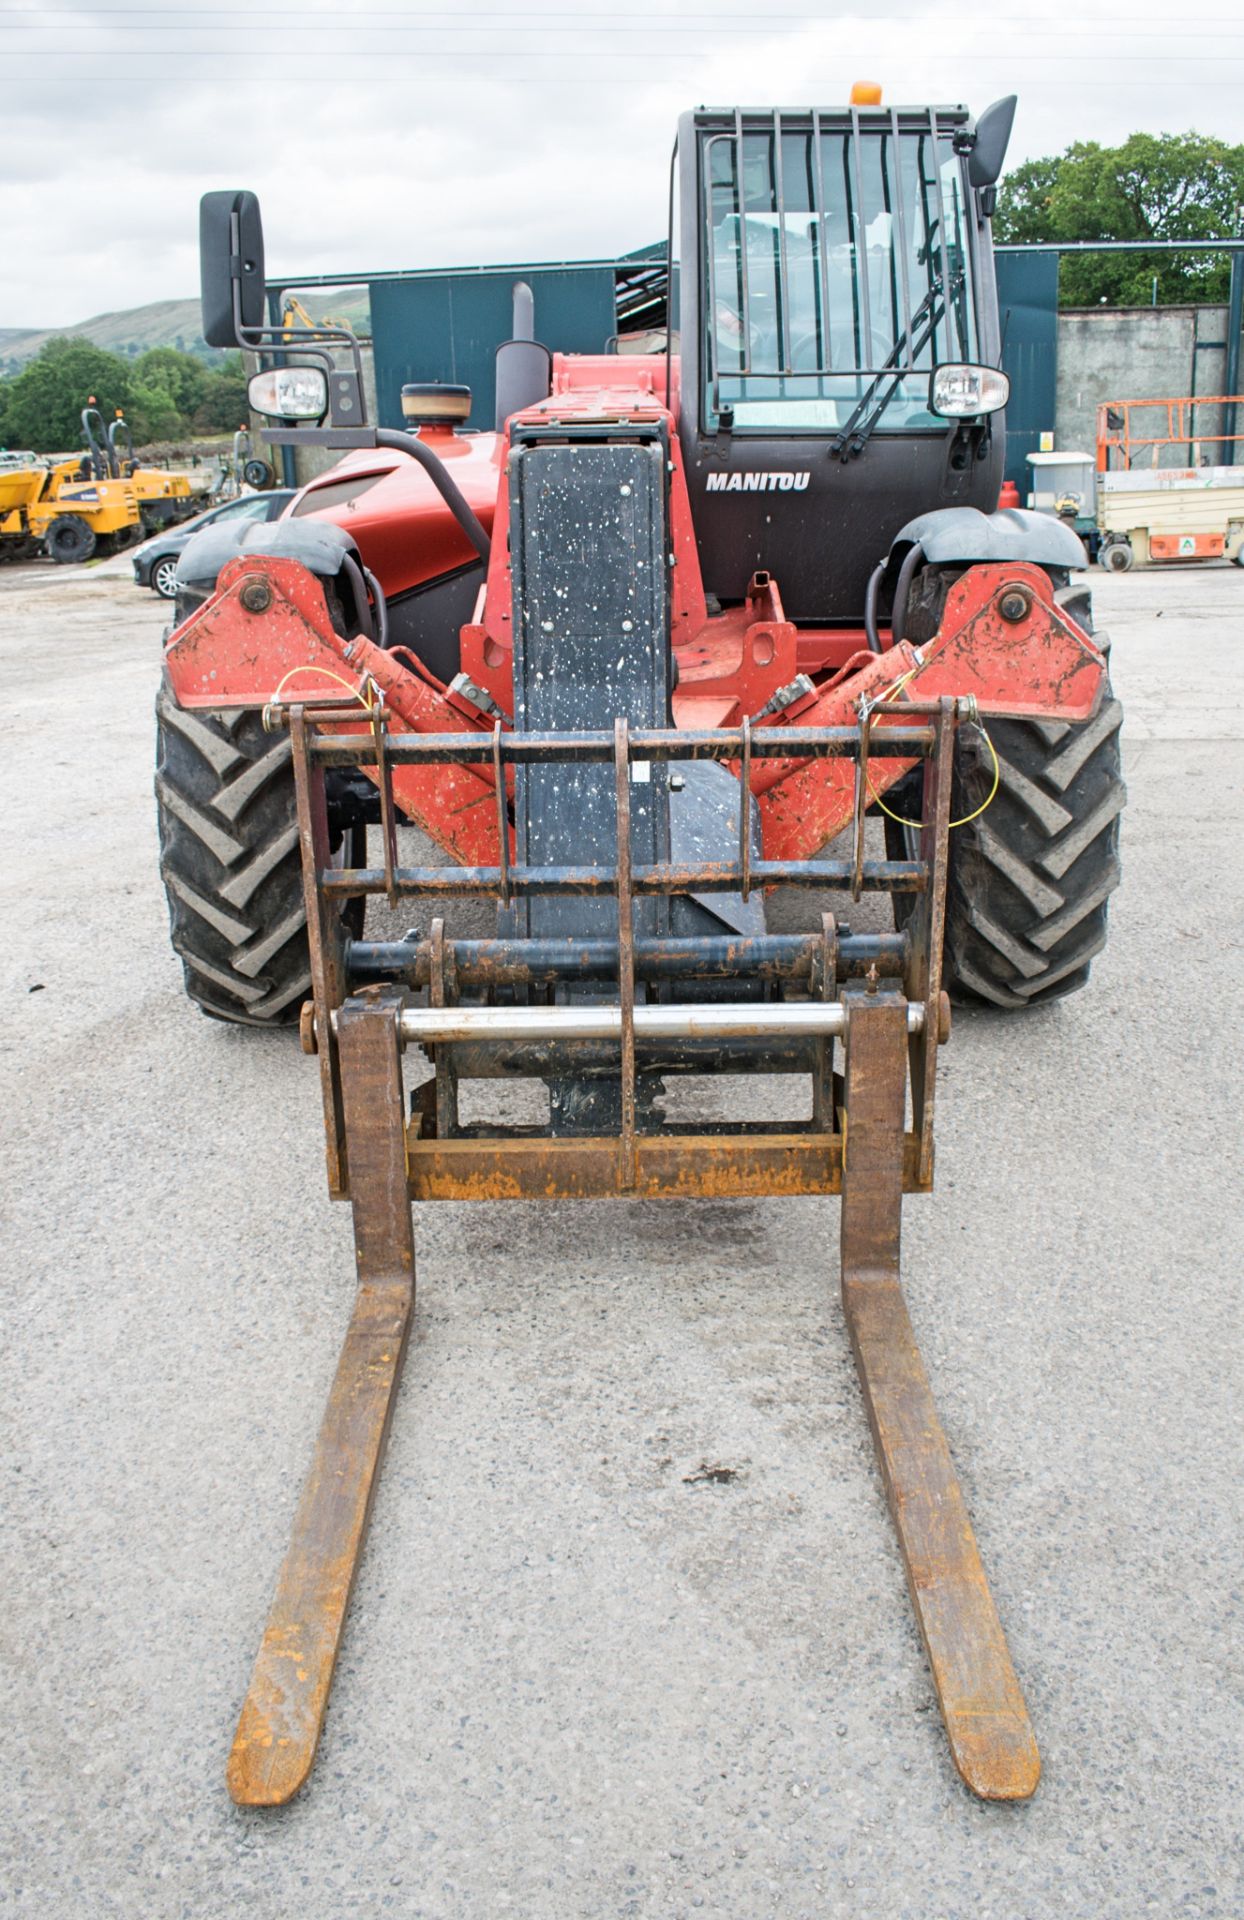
{"x": 1118, "y": 441}
{"x": 945, "y": 281}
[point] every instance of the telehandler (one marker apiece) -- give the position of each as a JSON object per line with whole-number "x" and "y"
{"x": 661, "y": 643}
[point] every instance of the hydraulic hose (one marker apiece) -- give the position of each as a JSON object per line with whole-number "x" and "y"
{"x": 444, "y": 483}
{"x": 354, "y": 573}
{"x": 870, "y": 607}
{"x": 898, "y": 618}
{"x": 409, "y": 443}
{"x": 381, "y": 607}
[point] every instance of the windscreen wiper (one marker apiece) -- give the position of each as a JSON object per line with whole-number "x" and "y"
{"x": 851, "y": 440}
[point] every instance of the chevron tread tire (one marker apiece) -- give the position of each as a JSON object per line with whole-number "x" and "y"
{"x": 1030, "y": 880}
{"x": 229, "y": 861}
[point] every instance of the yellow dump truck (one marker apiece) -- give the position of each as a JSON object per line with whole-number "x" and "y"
{"x": 60, "y": 508}
{"x": 74, "y": 506}
{"x": 163, "y": 498}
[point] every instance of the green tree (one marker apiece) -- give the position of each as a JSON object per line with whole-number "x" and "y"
{"x": 223, "y": 407}
{"x": 179, "y": 374}
{"x": 1165, "y": 186}
{"x": 153, "y": 413}
{"x": 43, "y": 403}
{"x": 166, "y": 391}
{"x": 165, "y": 394}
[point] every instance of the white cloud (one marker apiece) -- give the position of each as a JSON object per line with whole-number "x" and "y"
{"x": 532, "y": 139}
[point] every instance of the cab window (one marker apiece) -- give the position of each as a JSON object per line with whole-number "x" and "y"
{"x": 831, "y": 260}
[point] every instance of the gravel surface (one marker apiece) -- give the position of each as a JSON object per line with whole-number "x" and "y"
{"x": 578, "y": 1679}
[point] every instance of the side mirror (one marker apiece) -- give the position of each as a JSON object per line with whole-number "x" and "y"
{"x": 230, "y": 266}
{"x": 234, "y": 299}
{"x": 993, "y": 133}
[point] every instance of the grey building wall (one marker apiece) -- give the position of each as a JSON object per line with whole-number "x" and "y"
{"x": 1136, "y": 353}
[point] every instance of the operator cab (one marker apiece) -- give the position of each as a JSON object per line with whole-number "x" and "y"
{"x": 838, "y": 316}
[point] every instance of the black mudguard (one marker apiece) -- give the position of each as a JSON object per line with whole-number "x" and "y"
{"x": 964, "y": 536}
{"x": 318, "y": 545}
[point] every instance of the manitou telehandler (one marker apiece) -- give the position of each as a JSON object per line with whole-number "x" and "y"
{"x": 634, "y": 661}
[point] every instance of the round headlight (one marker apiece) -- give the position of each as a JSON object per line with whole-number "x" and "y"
{"x": 290, "y": 393}
{"x": 963, "y": 392}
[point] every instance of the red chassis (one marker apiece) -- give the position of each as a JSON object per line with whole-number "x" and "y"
{"x": 1003, "y": 638}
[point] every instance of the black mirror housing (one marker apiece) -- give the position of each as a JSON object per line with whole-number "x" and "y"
{"x": 993, "y": 134}
{"x": 221, "y": 267}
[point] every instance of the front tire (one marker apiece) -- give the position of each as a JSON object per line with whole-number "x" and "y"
{"x": 1028, "y": 879}
{"x": 69, "y": 540}
{"x": 229, "y": 861}
{"x": 164, "y": 577}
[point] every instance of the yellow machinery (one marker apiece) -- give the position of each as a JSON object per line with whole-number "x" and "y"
{"x": 80, "y": 505}
{"x": 296, "y": 316}
{"x": 163, "y": 498}
{"x": 64, "y": 510}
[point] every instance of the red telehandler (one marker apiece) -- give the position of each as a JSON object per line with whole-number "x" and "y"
{"x": 632, "y": 661}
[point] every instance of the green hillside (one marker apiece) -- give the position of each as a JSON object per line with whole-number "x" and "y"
{"x": 162, "y": 323}
{"x": 165, "y": 323}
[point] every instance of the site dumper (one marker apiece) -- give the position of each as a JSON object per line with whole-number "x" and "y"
{"x": 61, "y": 508}
{"x": 163, "y": 498}
{"x": 660, "y": 644}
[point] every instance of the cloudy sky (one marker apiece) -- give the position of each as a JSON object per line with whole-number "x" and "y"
{"x": 401, "y": 136}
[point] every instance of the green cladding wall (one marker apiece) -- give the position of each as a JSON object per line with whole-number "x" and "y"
{"x": 448, "y": 326}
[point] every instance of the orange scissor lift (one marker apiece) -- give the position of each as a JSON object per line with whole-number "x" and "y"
{"x": 1168, "y": 483}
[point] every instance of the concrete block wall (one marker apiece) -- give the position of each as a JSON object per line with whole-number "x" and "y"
{"x": 1135, "y": 353}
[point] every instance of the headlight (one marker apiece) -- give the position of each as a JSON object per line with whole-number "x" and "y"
{"x": 960, "y": 393}
{"x": 291, "y": 393}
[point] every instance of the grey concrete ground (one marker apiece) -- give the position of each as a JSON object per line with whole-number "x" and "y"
{"x": 574, "y": 1683}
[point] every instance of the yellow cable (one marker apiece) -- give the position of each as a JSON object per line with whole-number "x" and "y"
{"x": 366, "y": 703}
{"x": 901, "y": 818}
{"x": 327, "y": 673}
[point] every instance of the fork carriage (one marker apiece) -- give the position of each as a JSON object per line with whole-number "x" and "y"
{"x": 515, "y": 1007}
